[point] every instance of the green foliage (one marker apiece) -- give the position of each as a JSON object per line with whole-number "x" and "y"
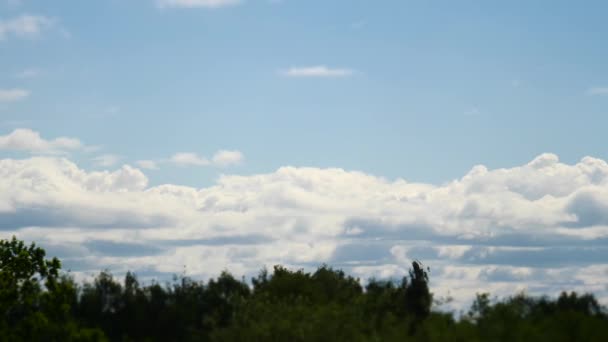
{"x": 569, "y": 318}
{"x": 35, "y": 302}
{"x": 40, "y": 304}
{"x": 323, "y": 286}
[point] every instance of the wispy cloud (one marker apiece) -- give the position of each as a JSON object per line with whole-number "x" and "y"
{"x": 28, "y": 73}
{"x": 221, "y": 158}
{"x": 196, "y": 3}
{"x": 598, "y": 91}
{"x": 147, "y": 164}
{"x": 473, "y": 111}
{"x": 317, "y": 71}
{"x": 358, "y": 24}
{"x": 188, "y": 159}
{"x": 29, "y": 26}
{"x": 12, "y": 95}
{"x": 107, "y": 160}
{"x": 13, "y": 2}
{"x": 23, "y": 139}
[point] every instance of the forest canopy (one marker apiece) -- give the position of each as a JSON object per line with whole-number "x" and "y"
{"x": 39, "y": 302}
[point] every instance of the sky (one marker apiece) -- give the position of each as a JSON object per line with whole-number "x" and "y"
{"x": 170, "y": 136}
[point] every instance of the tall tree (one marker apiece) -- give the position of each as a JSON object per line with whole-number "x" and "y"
{"x": 35, "y": 302}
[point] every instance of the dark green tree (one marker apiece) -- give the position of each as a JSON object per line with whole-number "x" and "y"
{"x": 35, "y": 302}
{"x": 418, "y": 298}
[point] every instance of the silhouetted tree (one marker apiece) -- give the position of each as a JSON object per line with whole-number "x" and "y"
{"x": 35, "y": 302}
{"x": 39, "y": 304}
{"x": 418, "y": 298}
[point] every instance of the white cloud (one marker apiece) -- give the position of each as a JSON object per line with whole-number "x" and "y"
{"x": 598, "y": 91}
{"x": 196, "y": 3}
{"x": 23, "y": 139}
{"x": 491, "y": 230}
{"x": 317, "y": 71}
{"x": 147, "y": 164}
{"x": 221, "y": 158}
{"x": 106, "y": 160}
{"x": 226, "y": 158}
{"x": 12, "y": 95}
{"x": 28, "y": 26}
{"x": 188, "y": 159}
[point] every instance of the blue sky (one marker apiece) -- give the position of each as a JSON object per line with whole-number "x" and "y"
{"x": 146, "y": 98}
{"x": 435, "y": 88}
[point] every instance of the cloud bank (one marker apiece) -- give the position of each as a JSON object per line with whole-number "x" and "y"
{"x": 542, "y": 226}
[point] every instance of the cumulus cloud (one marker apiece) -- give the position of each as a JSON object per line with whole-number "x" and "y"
{"x": 317, "y": 71}
{"x": 196, "y": 3}
{"x": 28, "y": 26}
{"x": 23, "y": 139}
{"x": 524, "y": 227}
{"x": 226, "y": 158}
{"x": 12, "y": 95}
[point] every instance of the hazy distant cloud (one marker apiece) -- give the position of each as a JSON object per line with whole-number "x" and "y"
{"x": 147, "y": 164}
{"x": 23, "y": 139}
{"x": 317, "y": 71}
{"x": 188, "y": 159}
{"x": 29, "y": 26}
{"x": 516, "y": 83}
{"x": 112, "y": 110}
{"x": 13, "y": 2}
{"x": 28, "y": 73}
{"x": 358, "y": 24}
{"x": 473, "y": 111}
{"x": 12, "y": 95}
{"x": 106, "y": 160}
{"x": 196, "y": 3}
{"x": 598, "y": 91}
{"x": 226, "y": 158}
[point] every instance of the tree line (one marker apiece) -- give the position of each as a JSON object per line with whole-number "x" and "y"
{"x": 40, "y": 303}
